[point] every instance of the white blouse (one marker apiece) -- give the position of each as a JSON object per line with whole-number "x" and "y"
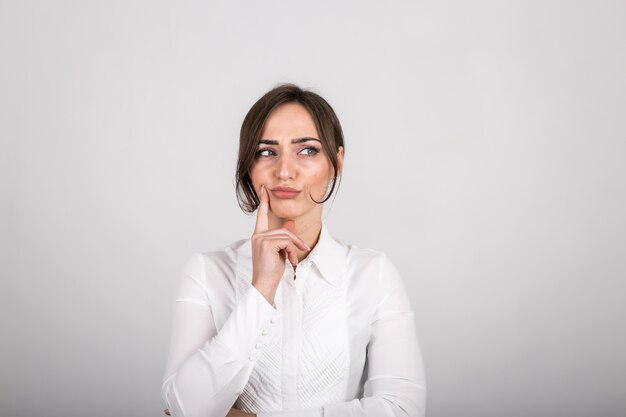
{"x": 339, "y": 340}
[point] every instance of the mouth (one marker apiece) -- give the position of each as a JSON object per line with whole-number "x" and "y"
{"x": 285, "y": 192}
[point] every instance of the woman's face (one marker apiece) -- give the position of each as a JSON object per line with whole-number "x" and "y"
{"x": 290, "y": 155}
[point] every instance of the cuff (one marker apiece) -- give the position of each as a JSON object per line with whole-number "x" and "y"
{"x": 252, "y": 320}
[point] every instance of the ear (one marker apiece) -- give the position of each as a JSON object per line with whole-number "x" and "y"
{"x": 340, "y": 160}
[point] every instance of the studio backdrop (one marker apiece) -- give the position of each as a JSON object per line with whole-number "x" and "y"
{"x": 484, "y": 148}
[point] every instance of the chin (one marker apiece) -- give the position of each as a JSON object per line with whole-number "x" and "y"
{"x": 287, "y": 214}
{"x": 287, "y": 211}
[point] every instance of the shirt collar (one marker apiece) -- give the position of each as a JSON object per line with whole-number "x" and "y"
{"x": 328, "y": 256}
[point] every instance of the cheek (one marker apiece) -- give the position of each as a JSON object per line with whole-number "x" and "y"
{"x": 319, "y": 177}
{"x": 256, "y": 175}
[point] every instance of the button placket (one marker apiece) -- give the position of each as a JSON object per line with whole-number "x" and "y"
{"x": 303, "y": 273}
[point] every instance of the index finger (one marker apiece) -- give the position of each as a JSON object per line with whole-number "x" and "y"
{"x": 262, "y": 223}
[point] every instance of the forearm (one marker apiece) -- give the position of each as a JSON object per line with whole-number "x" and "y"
{"x": 400, "y": 399}
{"x": 202, "y": 387}
{"x": 209, "y": 381}
{"x": 393, "y": 398}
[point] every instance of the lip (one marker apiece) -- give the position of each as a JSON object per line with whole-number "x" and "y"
{"x": 285, "y": 192}
{"x": 286, "y": 189}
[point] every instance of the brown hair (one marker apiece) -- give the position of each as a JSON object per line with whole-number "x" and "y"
{"x": 326, "y": 123}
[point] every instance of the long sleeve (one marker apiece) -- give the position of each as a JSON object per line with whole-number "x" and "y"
{"x": 206, "y": 368}
{"x": 395, "y": 384}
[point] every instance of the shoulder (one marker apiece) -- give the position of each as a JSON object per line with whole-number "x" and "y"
{"x": 375, "y": 283}
{"x": 224, "y": 257}
{"x": 214, "y": 267}
{"x": 371, "y": 266}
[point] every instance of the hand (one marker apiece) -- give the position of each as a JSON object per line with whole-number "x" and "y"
{"x": 269, "y": 249}
{"x": 237, "y": 413}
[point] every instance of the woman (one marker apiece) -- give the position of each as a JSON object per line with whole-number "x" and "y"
{"x": 292, "y": 322}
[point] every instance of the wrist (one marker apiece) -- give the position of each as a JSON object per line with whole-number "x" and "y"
{"x": 266, "y": 291}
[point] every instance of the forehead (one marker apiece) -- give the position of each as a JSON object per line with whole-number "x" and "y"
{"x": 288, "y": 121}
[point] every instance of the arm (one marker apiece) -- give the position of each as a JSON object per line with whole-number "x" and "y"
{"x": 207, "y": 369}
{"x": 395, "y": 385}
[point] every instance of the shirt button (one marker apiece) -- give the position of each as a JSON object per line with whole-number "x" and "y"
{"x": 257, "y": 346}
{"x": 264, "y": 332}
{"x": 251, "y": 358}
{"x": 273, "y": 320}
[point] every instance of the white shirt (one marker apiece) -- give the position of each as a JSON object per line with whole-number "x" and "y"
{"x": 339, "y": 340}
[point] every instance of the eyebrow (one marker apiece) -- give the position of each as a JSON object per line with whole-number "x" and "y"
{"x": 295, "y": 141}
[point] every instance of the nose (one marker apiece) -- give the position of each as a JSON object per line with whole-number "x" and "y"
{"x": 286, "y": 167}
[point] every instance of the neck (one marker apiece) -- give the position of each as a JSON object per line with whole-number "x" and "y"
{"x": 306, "y": 229}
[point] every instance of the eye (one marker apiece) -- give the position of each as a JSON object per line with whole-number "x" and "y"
{"x": 262, "y": 152}
{"x": 312, "y": 151}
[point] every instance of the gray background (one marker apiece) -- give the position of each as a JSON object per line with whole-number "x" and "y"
{"x": 484, "y": 155}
